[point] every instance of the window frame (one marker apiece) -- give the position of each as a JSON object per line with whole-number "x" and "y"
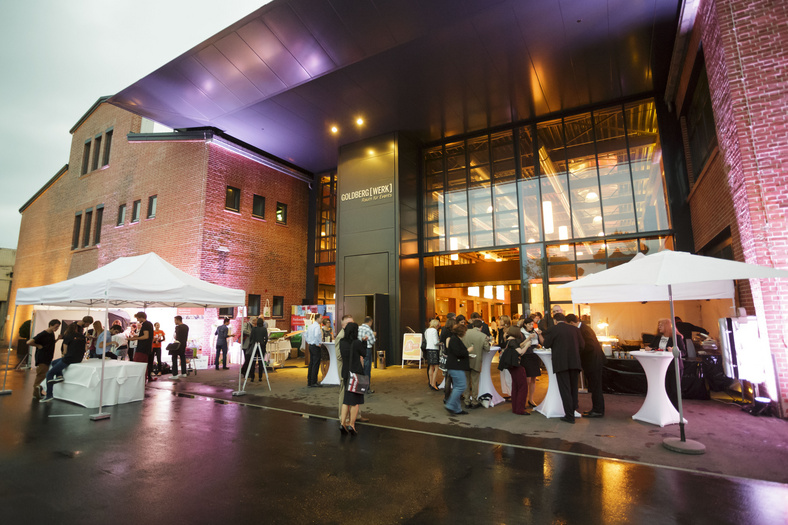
{"x": 136, "y": 211}
{"x": 77, "y": 229}
{"x": 99, "y": 221}
{"x": 253, "y": 304}
{"x": 236, "y": 192}
{"x": 86, "y": 157}
{"x": 121, "y": 215}
{"x": 226, "y": 312}
{"x": 96, "y": 152}
{"x": 86, "y": 229}
{"x": 283, "y": 207}
{"x": 152, "y": 203}
{"x": 278, "y": 305}
{"x": 107, "y": 147}
{"x": 255, "y": 200}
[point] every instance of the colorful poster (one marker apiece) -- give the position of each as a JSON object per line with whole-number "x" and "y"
{"x": 411, "y": 347}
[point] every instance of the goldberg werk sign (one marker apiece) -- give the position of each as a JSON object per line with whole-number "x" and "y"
{"x": 373, "y": 193}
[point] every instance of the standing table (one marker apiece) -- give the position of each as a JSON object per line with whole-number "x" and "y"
{"x": 485, "y": 379}
{"x": 124, "y": 382}
{"x": 551, "y": 405}
{"x": 332, "y": 376}
{"x": 657, "y": 408}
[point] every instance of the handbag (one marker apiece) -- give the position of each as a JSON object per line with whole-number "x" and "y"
{"x": 442, "y": 357}
{"x": 358, "y": 383}
{"x": 173, "y": 347}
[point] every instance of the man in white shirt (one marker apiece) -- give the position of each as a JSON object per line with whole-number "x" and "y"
{"x": 314, "y": 337}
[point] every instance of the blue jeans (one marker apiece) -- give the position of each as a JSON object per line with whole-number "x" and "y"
{"x": 58, "y": 365}
{"x": 458, "y": 384}
{"x": 219, "y": 349}
{"x": 368, "y": 364}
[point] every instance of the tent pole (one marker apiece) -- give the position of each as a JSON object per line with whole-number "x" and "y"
{"x": 240, "y": 391}
{"x": 101, "y": 414}
{"x": 681, "y": 444}
{"x": 5, "y": 392}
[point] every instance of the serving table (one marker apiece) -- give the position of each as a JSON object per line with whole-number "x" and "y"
{"x": 551, "y": 405}
{"x": 657, "y": 408}
{"x": 124, "y": 382}
{"x": 485, "y": 378}
{"x": 332, "y": 376}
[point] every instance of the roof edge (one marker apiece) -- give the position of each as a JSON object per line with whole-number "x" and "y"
{"x": 44, "y": 188}
{"x": 84, "y": 117}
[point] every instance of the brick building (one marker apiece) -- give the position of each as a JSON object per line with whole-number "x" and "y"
{"x": 212, "y": 207}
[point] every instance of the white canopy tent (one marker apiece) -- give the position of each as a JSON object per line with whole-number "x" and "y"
{"x": 668, "y": 276}
{"x": 143, "y": 281}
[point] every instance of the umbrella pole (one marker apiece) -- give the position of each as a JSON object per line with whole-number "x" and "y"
{"x": 681, "y": 445}
{"x": 101, "y": 414}
{"x": 5, "y": 392}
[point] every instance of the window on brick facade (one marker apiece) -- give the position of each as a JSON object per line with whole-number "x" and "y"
{"x": 75, "y": 235}
{"x": 99, "y": 219}
{"x": 226, "y": 312}
{"x": 121, "y": 215}
{"x": 698, "y": 120}
{"x": 107, "y": 147}
{"x": 258, "y": 207}
{"x": 135, "y": 211}
{"x": 152, "y": 206}
{"x": 232, "y": 200}
{"x": 86, "y": 157}
{"x": 88, "y": 224}
{"x": 278, "y": 308}
{"x": 281, "y": 213}
{"x": 96, "y": 152}
{"x": 253, "y": 308}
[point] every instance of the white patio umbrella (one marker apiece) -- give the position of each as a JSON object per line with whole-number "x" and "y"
{"x": 653, "y": 278}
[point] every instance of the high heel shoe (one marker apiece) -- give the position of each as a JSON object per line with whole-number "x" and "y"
{"x": 352, "y": 431}
{"x": 343, "y": 429}
{"x": 531, "y": 405}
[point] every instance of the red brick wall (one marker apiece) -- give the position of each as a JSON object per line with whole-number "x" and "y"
{"x": 746, "y": 49}
{"x": 189, "y": 179}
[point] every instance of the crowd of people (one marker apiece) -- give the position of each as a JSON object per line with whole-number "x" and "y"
{"x": 460, "y": 344}
{"x": 140, "y": 342}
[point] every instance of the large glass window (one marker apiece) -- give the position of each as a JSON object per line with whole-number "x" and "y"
{"x": 326, "y": 238}
{"x": 434, "y": 226}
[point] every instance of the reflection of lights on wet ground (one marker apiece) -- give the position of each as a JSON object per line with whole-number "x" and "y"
{"x": 616, "y": 499}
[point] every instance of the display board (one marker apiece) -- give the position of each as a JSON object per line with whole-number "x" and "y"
{"x": 411, "y": 348}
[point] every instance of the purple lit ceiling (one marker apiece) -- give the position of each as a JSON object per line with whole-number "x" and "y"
{"x": 281, "y": 77}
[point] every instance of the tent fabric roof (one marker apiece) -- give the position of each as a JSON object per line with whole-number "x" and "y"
{"x": 143, "y": 281}
{"x": 646, "y": 278}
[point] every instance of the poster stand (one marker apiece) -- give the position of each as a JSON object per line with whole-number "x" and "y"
{"x": 257, "y": 353}
{"x": 411, "y": 348}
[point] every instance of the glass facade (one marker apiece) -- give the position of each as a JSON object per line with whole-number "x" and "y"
{"x": 576, "y": 195}
{"x": 326, "y": 239}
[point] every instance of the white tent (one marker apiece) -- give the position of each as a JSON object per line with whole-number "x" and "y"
{"x": 671, "y": 276}
{"x": 144, "y": 281}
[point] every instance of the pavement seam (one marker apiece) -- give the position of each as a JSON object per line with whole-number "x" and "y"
{"x": 483, "y": 441}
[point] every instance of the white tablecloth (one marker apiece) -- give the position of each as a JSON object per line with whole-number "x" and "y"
{"x": 486, "y": 385}
{"x": 332, "y": 376}
{"x": 124, "y": 382}
{"x": 657, "y": 408}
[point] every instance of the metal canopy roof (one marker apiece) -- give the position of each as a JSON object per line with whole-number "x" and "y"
{"x": 281, "y": 77}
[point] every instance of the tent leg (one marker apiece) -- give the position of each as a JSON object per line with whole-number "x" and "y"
{"x": 5, "y": 392}
{"x": 101, "y": 414}
{"x": 681, "y": 445}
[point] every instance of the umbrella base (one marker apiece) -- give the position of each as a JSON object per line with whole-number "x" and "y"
{"x": 100, "y": 416}
{"x": 239, "y": 393}
{"x": 5, "y": 392}
{"x": 689, "y": 446}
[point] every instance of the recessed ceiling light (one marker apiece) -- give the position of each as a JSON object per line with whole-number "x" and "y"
{"x": 359, "y": 121}
{"x": 334, "y": 129}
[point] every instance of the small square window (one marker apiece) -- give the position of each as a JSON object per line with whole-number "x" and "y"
{"x": 258, "y": 207}
{"x": 232, "y": 200}
{"x": 121, "y": 215}
{"x": 278, "y": 308}
{"x": 135, "y": 211}
{"x": 253, "y": 307}
{"x": 152, "y": 206}
{"x": 281, "y": 213}
{"x": 227, "y": 312}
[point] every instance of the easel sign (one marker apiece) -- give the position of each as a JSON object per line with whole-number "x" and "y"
{"x": 411, "y": 348}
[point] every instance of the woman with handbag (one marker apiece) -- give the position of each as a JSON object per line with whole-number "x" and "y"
{"x": 352, "y": 350}
{"x": 433, "y": 358}
{"x": 512, "y": 360}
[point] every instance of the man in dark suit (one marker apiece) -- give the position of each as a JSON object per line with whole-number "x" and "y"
{"x": 592, "y": 357}
{"x": 565, "y": 342}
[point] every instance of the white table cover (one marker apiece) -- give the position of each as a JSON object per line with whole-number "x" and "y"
{"x": 486, "y": 385}
{"x": 657, "y": 408}
{"x": 124, "y": 382}
{"x": 332, "y": 376}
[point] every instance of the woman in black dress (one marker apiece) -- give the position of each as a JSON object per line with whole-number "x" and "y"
{"x": 352, "y": 350}
{"x": 531, "y": 361}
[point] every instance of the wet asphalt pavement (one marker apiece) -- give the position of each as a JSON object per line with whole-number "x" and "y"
{"x": 179, "y": 459}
